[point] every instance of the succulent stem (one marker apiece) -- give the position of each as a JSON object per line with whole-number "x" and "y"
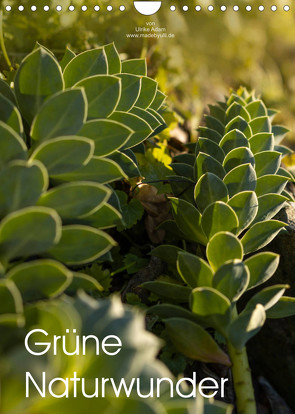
{"x": 245, "y": 399}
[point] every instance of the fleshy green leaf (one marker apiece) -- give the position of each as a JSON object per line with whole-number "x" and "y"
{"x": 6, "y": 91}
{"x": 127, "y": 163}
{"x": 81, "y": 244}
{"x": 217, "y": 217}
{"x": 205, "y": 163}
{"x": 158, "y": 100}
{"x": 103, "y": 94}
{"x": 235, "y": 110}
{"x": 245, "y": 205}
{"x": 40, "y": 279}
{"x": 270, "y": 184}
{"x": 85, "y": 282}
{"x": 38, "y": 77}
{"x": 260, "y": 124}
{"x": 67, "y": 57}
{"x": 21, "y": 184}
{"x": 269, "y": 206}
{"x": 167, "y": 253}
{"x": 239, "y": 124}
{"x": 75, "y": 200}
{"x": 211, "y": 306}
{"x": 140, "y": 127}
{"x": 147, "y": 116}
{"x": 256, "y": 109}
{"x": 194, "y": 270}
{"x": 108, "y": 136}
{"x": 113, "y": 59}
{"x": 86, "y": 64}
{"x": 10, "y": 301}
{"x": 238, "y": 156}
{"x": 28, "y": 232}
{"x": 11, "y": 145}
{"x": 208, "y": 189}
{"x": 210, "y": 134}
{"x": 222, "y": 247}
{"x": 282, "y": 309}
{"x": 64, "y": 154}
{"x": 167, "y": 310}
{"x": 267, "y": 297}
{"x": 232, "y": 140}
{"x": 246, "y": 326}
{"x": 147, "y": 92}
{"x": 172, "y": 291}
{"x": 62, "y": 114}
{"x": 261, "y": 142}
{"x": 260, "y": 234}
{"x": 241, "y": 178}
{"x": 183, "y": 170}
{"x": 232, "y": 279}
{"x": 267, "y": 162}
{"x": 188, "y": 219}
{"x": 131, "y": 85}
{"x": 194, "y": 341}
{"x": 105, "y": 217}
{"x": 98, "y": 169}
{"x": 207, "y": 146}
{"x": 279, "y": 133}
{"x": 261, "y": 266}
{"x": 214, "y": 123}
{"x": 217, "y": 112}
{"x": 9, "y": 114}
{"x": 135, "y": 67}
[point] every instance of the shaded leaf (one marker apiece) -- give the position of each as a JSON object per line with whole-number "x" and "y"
{"x": 38, "y": 77}
{"x": 270, "y": 184}
{"x": 238, "y": 156}
{"x": 188, "y": 220}
{"x": 40, "y": 279}
{"x": 205, "y": 163}
{"x": 194, "y": 270}
{"x": 62, "y": 114}
{"x": 267, "y": 162}
{"x": 103, "y": 94}
{"x": 193, "y": 341}
{"x": 231, "y": 279}
{"x": 211, "y": 306}
{"x": 81, "y": 244}
{"x": 29, "y": 231}
{"x": 172, "y": 291}
{"x": 208, "y": 189}
{"x": 241, "y": 178}
{"x": 260, "y": 234}
{"x": 64, "y": 154}
{"x": 21, "y": 184}
{"x": 108, "y": 136}
{"x": 245, "y": 205}
{"x": 261, "y": 266}
{"x": 246, "y": 326}
{"x": 232, "y": 140}
{"x": 89, "y": 63}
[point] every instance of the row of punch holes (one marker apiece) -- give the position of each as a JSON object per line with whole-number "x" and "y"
{"x": 172, "y": 8}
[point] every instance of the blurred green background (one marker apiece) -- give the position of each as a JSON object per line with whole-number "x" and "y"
{"x": 210, "y": 53}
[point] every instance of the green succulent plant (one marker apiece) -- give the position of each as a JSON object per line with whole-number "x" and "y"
{"x": 136, "y": 359}
{"x": 231, "y": 189}
{"x": 67, "y": 130}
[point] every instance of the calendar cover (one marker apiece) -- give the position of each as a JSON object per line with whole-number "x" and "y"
{"x": 147, "y": 211}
